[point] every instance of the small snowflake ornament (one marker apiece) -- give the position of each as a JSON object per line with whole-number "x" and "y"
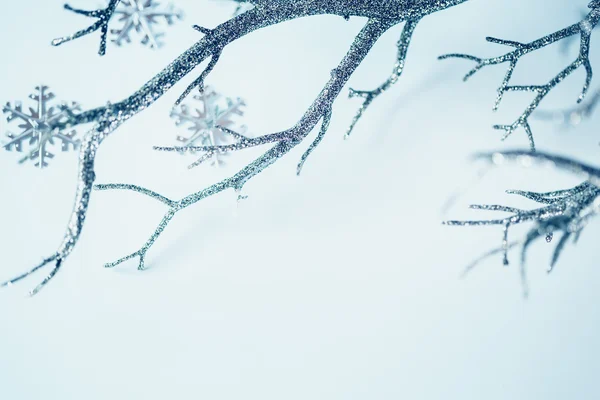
{"x": 140, "y": 16}
{"x": 38, "y": 127}
{"x": 204, "y": 120}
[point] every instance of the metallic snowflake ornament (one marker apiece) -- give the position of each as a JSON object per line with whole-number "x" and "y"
{"x": 141, "y": 16}
{"x": 209, "y": 121}
{"x": 38, "y": 127}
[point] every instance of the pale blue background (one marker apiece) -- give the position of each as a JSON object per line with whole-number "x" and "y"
{"x": 340, "y": 284}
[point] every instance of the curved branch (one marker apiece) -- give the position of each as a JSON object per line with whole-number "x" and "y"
{"x": 138, "y": 189}
{"x": 527, "y": 158}
{"x": 284, "y": 141}
{"x": 382, "y": 15}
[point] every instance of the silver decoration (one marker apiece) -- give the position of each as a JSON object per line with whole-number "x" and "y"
{"x": 370, "y": 95}
{"x": 37, "y": 130}
{"x": 136, "y": 15}
{"x": 140, "y": 16}
{"x": 568, "y": 211}
{"x": 205, "y": 119}
{"x": 568, "y": 42}
{"x": 381, "y": 16}
{"x": 103, "y": 17}
{"x": 583, "y": 28}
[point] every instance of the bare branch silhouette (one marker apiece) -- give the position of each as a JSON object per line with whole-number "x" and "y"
{"x": 584, "y": 28}
{"x": 381, "y": 16}
{"x": 567, "y": 210}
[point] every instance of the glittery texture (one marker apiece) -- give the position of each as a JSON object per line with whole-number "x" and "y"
{"x": 370, "y": 95}
{"x": 103, "y": 16}
{"x": 568, "y": 210}
{"x": 381, "y": 15}
{"x": 135, "y": 15}
{"x": 583, "y": 28}
{"x": 38, "y": 129}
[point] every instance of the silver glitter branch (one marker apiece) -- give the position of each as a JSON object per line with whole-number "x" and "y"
{"x": 283, "y": 142}
{"x": 567, "y": 210}
{"x": 583, "y": 28}
{"x": 369, "y": 95}
{"x": 381, "y": 14}
{"x": 103, "y": 16}
{"x": 199, "y": 82}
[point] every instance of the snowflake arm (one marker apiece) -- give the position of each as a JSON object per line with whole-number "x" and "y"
{"x": 583, "y": 28}
{"x": 103, "y": 16}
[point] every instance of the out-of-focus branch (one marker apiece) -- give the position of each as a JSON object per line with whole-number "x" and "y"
{"x": 583, "y": 28}
{"x": 567, "y": 210}
{"x": 572, "y": 116}
{"x": 103, "y": 15}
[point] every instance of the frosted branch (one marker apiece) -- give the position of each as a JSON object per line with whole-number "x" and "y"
{"x": 567, "y": 210}
{"x": 381, "y": 16}
{"x": 103, "y": 16}
{"x": 369, "y": 95}
{"x": 283, "y": 141}
{"x": 313, "y": 145}
{"x": 583, "y": 28}
{"x": 53, "y": 258}
{"x": 138, "y": 189}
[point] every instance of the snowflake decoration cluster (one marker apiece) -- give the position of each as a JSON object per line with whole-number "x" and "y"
{"x": 141, "y": 17}
{"x": 38, "y": 127}
{"x": 204, "y": 119}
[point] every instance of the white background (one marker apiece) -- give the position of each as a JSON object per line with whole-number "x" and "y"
{"x": 339, "y": 284}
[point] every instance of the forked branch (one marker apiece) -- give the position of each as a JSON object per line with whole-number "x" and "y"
{"x": 369, "y": 95}
{"x": 567, "y": 210}
{"x": 381, "y": 16}
{"x": 583, "y": 28}
{"x": 103, "y": 15}
{"x": 283, "y": 142}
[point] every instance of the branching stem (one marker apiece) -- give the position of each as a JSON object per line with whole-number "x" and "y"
{"x": 583, "y": 28}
